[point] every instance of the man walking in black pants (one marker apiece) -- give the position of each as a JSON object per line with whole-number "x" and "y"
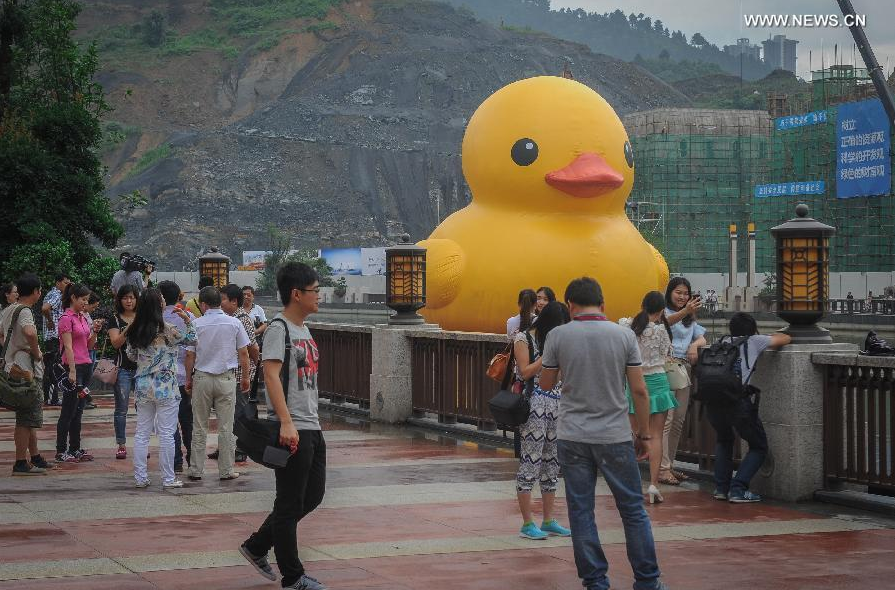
{"x": 301, "y": 483}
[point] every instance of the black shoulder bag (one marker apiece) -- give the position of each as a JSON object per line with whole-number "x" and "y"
{"x": 510, "y": 410}
{"x": 259, "y": 437}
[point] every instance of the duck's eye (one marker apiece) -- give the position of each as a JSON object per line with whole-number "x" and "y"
{"x": 524, "y": 152}
{"x": 629, "y": 154}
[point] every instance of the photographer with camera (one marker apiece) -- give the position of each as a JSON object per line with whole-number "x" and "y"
{"x": 135, "y": 270}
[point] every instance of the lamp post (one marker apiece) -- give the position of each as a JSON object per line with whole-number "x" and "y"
{"x": 405, "y": 281}
{"x": 803, "y": 271}
{"x": 215, "y": 265}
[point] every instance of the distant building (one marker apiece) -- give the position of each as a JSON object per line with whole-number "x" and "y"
{"x": 745, "y": 48}
{"x": 780, "y": 53}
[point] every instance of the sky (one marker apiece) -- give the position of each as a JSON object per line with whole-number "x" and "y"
{"x": 722, "y": 23}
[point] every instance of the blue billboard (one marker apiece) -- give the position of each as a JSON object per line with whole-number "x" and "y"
{"x": 344, "y": 261}
{"x": 794, "y": 121}
{"x": 863, "y": 167}
{"x": 810, "y": 187}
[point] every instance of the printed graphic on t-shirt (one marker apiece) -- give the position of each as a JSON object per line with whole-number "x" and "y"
{"x": 308, "y": 358}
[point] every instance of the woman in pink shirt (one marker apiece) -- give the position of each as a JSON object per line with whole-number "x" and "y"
{"x": 76, "y": 336}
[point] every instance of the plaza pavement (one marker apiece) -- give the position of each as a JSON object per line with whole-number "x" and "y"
{"x": 404, "y": 509}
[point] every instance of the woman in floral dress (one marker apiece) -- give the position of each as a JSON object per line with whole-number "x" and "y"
{"x": 154, "y": 346}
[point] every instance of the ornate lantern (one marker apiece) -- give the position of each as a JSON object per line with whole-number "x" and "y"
{"x": 803, "y": 270}
{"x": 215, "y": 265}
{"x": 405, "y": 281}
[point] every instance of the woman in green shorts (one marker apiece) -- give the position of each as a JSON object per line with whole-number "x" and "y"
{"x": 654, "y": 338}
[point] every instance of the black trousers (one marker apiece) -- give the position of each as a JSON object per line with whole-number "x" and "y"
{"x": 51, "y": 356}
{"x": 68, "y": 428}
{"x": 185, "y": 418}
{"x": 300, "y": 488}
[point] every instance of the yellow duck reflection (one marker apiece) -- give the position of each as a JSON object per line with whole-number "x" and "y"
{"x": 550, "y": 168}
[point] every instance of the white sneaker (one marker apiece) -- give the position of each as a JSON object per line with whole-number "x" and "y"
{"x": 173, "y": 484}
{"x": 142, "y": 484}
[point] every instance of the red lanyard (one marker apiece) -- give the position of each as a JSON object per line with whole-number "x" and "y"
{"x": 590, "y": 318}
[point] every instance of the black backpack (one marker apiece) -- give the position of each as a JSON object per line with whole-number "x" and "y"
{"x": 258, "y": 437}
{"x": 718, "y": 374}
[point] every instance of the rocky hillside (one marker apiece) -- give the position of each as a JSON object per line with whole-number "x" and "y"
{"x": 343, "y": 134}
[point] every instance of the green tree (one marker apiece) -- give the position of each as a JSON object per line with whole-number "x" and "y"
{"x": 51, "y": 179}
{"x": 97, "y": 274}
{"x": 44, "y": 259}
{"x": 279, "y": 246}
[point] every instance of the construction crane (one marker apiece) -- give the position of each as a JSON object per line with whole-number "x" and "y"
{"x": 873, "y": 67}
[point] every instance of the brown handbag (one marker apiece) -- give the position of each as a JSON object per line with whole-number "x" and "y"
{"x": 498, "y": 364}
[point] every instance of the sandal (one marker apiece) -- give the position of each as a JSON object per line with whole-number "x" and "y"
{"x": 121, "y": 454}
{"x": 680, "y": 475}
{"x": 668, "y": 479}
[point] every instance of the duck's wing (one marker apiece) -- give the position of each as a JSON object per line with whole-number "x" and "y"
{"x": 444, "y": 269}
{"x": 661, "y": 270}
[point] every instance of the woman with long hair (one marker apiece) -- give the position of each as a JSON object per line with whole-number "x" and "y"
{"x": 76, "y": 337}
{"x": 521, "y": 322}
{"x": 654, "y": 339}
{"x": 544, "y": 296}
{"x": 538, "y": 461}
{"x": 687, "y": 337}
{"x": 154, "y": 346}
{"x": 125, "y": 312}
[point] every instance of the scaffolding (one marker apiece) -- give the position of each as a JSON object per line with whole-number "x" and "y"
{"x": 865, "y": 226}
{"x": 696, "y": 174}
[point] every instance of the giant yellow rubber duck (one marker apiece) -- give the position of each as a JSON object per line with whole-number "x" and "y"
{"x": 550, "y": 168}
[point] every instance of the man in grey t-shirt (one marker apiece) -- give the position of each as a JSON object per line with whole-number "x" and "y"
{"x": 594, "y": 357}
{"x": 301, "y": 483}
{"x": 741, "y": 418}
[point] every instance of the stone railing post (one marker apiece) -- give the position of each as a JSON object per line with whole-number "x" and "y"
{"x": 791, "y": 409}
{"x": 391, "y": 397}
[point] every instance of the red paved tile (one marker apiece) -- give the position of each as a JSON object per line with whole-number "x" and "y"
{"x": 110, "y": 582}
{"x": 44, "y": 541}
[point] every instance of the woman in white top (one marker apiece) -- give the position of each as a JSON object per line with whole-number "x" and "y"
{"x": 527, "y": 302}
{"x": 654, "y": 339}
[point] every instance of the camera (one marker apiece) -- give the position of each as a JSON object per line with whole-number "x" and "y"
{"x": 132, "y": 262}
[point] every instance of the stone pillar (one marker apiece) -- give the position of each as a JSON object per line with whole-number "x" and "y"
{"x": 391, "y": 398}
{"x": 792, "y": 412}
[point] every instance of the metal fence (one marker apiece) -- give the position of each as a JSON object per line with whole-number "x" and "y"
{"x": 863, "y": 306}
{"x": 448, "y": 377}
{"x": 859, "y": 424}
{"x": 697, "y": 443}
{"x": 346, "y": 360}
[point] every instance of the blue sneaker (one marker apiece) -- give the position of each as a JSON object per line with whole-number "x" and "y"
{"x": 719, "y": 495}
{"x": 746, "y": 497}
{"x": 531, "y": 531}
{"x": 551, "y": 527}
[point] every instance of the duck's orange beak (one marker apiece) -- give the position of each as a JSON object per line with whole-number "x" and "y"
{"x": 589, "y": 175}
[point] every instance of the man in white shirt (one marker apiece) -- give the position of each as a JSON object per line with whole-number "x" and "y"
{"x": 255, "y": 311}
{"x": 210, "y": 367}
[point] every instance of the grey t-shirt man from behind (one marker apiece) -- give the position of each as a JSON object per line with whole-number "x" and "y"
{"x": 592, "y": 356}
{"x": 302, "y": 396}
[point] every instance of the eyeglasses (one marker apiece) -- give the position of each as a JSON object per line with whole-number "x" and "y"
{"x": 314, "y": 290}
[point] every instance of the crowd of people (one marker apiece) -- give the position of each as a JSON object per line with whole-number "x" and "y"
{"x": 180, "y": 361}
{"x": 602, "y": 396}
